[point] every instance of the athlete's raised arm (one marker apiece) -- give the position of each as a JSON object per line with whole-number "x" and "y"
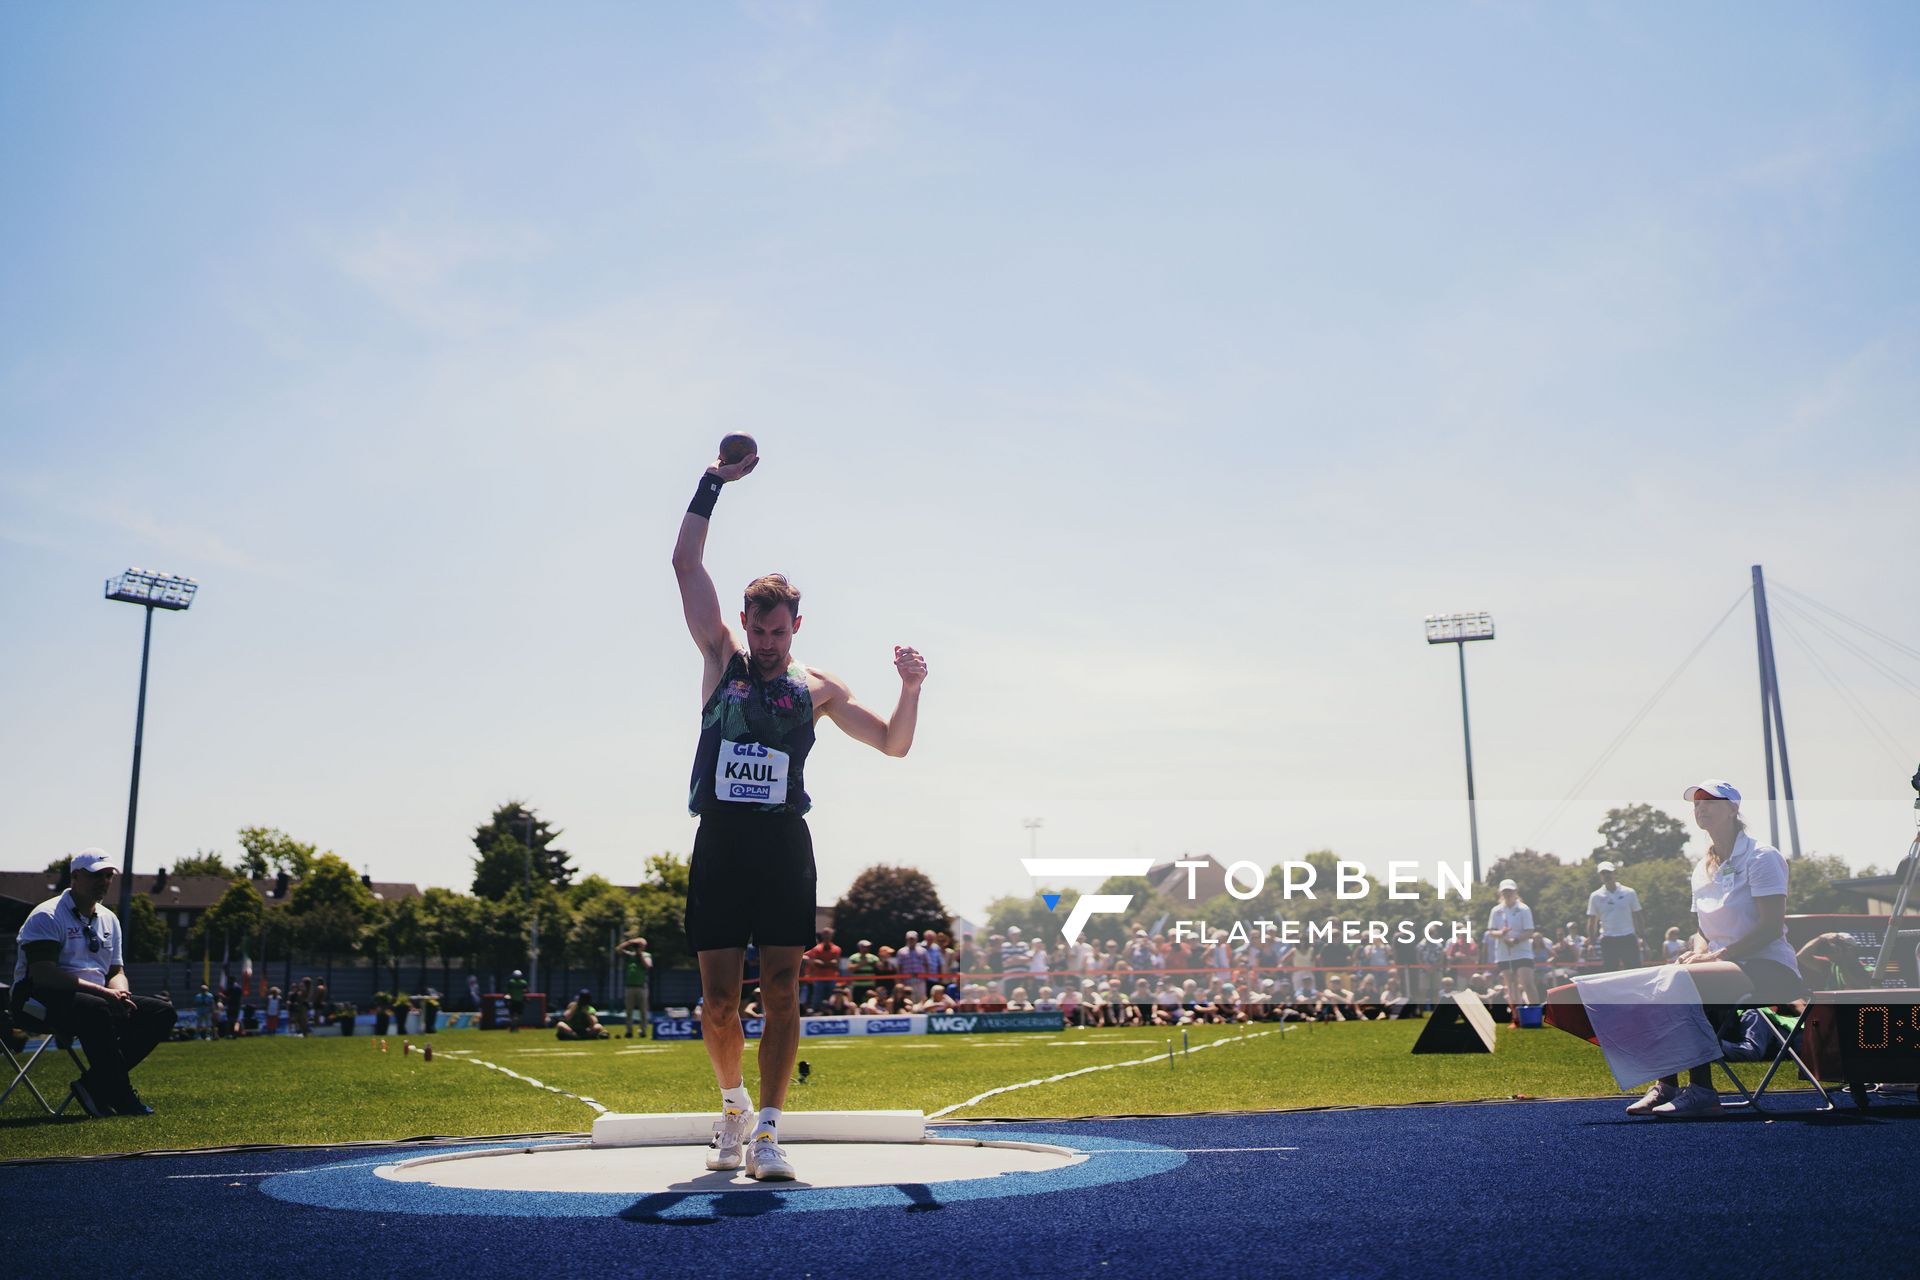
{"x": 698, "y": 599}
{"x": 894, "y": 736}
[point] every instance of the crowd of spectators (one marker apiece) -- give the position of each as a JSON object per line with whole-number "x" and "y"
{"x": 1157, "y": 979}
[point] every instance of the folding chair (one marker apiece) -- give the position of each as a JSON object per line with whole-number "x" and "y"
{"x": 48, "y": 1039}
{"x": 1771, "y": 1017}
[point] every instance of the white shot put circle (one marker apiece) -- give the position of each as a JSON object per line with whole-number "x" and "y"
{"x": 585, "y": 1168}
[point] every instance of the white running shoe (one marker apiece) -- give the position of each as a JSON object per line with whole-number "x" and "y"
{"x": 767, "y": 1160}
{"x": 729, "y": 1134}
{"x": 1662, "y": 1092}
{"x": 1694, "y": 1102}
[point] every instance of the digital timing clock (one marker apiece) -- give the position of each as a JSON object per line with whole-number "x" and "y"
{"x": 1880, "y": 1041}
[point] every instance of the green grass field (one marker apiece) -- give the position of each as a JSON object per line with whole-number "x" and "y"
{"x": 283, "y": 1090}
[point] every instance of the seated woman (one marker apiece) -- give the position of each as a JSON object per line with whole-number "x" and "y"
{"x": 874, "y": 1005}
{"x": 1046, "y": 1001}
{"x": 578, "y": 1022}
{"x": 1018, "y": 1002}
{"x": 1366, "y": 999}
{"x": 752, "y": 1007}
{"x": 901, "y": 1001}
{"x": 840, "y": 1004}
{"x": 1740, "y": 901}
{"x": 938, "y": 1001}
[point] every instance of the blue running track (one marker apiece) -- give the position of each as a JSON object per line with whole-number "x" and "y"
{"x": 1491, "y": 1190}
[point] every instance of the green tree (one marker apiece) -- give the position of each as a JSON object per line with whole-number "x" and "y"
{"x": 204, "y": 862}
{"x": 600, "y": 909}
{"x": 397, "y": 930}
{"x": 500, "y": 865}
{"x": 1810, "y": 888}
{"x": 659, "y": 910}
{"x": 146, "y": 935}
{"x": 502, "y": 936}
{"x": 1665, "y": 887}
{"x": 1640, "y": 833}
{"x": 270, "y": 851}
{"x": 237, "y": 916}
{"x": 884, "y": 902}
{"x": 329, "y": 929}
{"x": 452, "y": 924}
{"x": 330, "y": 907}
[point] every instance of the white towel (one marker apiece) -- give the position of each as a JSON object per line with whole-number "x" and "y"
{"x": 1649, "y": 1022}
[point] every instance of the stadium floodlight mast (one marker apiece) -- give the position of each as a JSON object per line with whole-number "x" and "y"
{"x": 1459, "y": 629}
{"x": 151, "y": 591}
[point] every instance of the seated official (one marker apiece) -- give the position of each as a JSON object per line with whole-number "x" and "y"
{"x": 579, "y": 1022}
{"x": 70, "y": 977}
{"x": 1740, "y": 901}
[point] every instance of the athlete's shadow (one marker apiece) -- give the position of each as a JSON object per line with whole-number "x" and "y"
{"x": 921, "y": 1195}
{"x": 655, "y": 1208}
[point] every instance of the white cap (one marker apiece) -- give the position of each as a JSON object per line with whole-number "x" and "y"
{"x": 1508, "y": 884}
{"x": 1607, "y": 866}
{"x": 1714, "y": 787}
{"x": 1012, "y": 930}
{"x": 91, "y": 860}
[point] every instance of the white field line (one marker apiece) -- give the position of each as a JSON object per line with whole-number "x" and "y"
{"x": 508, "y": 1071}
{"x": 1105, "y": 1066}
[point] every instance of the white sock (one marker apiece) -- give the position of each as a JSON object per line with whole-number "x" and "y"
{"x": 769, "y": 1123}
{"x": 736, "y": 1099}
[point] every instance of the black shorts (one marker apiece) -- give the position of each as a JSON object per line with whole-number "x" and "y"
{"x": 751, "y": 880}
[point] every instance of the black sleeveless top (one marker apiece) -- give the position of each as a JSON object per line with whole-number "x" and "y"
{"x": 754, "y": 739}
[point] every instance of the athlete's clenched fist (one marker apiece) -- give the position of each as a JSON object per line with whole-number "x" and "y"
{"x": 911, "y": 666}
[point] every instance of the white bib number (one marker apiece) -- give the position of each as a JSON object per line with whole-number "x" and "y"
{"x": 749, "y": 773}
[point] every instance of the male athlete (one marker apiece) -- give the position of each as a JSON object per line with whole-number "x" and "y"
{"x": 752, "y": 874}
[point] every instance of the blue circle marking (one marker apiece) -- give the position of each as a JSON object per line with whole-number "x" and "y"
{"x": 356, "y": 1186}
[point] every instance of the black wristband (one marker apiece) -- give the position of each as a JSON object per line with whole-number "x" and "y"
{"x": 705, "y": 496}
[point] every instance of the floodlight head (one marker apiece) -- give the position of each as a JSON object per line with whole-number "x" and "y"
{"x": 155, "y": 590}
{"x": 1458, "y": 628}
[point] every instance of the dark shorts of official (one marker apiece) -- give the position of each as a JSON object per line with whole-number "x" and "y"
{"x": 751, "y": 880}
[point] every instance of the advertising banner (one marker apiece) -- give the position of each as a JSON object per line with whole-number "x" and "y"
{"x": 950, "y": 1024}
{"x": 665, "y": 1028}
{"x": 866, "y": 1025}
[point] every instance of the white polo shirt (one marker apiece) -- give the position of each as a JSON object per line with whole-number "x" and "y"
{"x": 1519, "y": 918}
{"x": 1724, "y": 900}
{"x": 1614, "y": 908}
{"x": 59, "y": 920}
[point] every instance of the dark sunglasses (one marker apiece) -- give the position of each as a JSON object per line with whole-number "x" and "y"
{"x": 93, "y": 939}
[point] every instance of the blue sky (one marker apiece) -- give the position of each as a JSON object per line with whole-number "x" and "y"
{"x": 1153, "y": 372}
